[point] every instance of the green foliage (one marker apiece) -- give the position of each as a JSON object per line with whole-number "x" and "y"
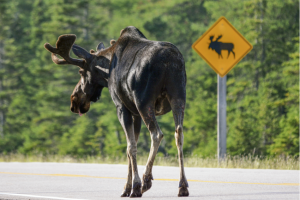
{"x": 287, "y": 141}
{"x": 262, "y": 90}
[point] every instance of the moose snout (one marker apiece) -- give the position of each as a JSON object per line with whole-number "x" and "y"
{"x": 79, "y": 104}
{"x": 72, "y": 108}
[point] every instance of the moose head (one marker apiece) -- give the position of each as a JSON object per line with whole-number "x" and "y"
{"x": 212, "y": 43}
{"x": 93, "y": 71}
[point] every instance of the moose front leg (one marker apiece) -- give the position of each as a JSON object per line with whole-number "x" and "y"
{"x": 137, "y": 128}
{"x": 127, "y": 122}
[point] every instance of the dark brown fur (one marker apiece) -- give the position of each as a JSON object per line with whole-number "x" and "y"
{"x": 145, "y": 79}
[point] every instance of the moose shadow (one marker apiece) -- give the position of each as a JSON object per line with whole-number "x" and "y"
{"x": 219, "y": 46}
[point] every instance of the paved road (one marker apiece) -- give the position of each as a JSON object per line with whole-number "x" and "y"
{"x": 101, "y": 181}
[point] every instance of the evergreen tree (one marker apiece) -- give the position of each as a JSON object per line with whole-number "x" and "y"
{"x": 263, "y": 89}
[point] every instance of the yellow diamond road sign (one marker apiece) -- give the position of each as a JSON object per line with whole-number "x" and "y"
{"x": 222, "y": 46}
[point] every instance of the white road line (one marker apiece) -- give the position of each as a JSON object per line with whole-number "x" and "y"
{"x": 35, "y": 196}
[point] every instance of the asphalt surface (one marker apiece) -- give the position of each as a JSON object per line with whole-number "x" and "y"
{"x": 102, "y": 181}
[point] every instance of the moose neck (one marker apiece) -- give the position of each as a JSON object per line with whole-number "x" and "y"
{"x": 103, "y": 64}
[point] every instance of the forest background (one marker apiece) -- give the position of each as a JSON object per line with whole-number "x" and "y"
{"x": 262, "y": 90}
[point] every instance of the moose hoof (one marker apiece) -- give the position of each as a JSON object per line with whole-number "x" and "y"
{"x": 183, "y": 192}
{"x": 126, "y": 192}
{"x": 136, "y": 190}
{"x": 147, "y": 183}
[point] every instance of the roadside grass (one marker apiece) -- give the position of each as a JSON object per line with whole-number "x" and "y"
{"x": 243, "y": 162}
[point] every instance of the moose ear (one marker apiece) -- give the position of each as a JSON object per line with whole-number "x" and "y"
{"x": 100, "y": 46}
{"x": 112, "y": 42}
{"x": 81, "y": 52}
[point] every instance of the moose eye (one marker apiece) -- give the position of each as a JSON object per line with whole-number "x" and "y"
{"x": 80, "y": 72}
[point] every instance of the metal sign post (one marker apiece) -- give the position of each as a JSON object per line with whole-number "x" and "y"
{"x": 222, "y": 118}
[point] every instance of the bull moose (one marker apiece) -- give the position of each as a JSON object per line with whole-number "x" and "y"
{"x": 145, "y": 78}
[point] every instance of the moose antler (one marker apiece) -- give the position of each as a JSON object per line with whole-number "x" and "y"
{"x": 211, "y": 38}
{"x": 218, "y": 38}
{"x": 63, "y": 47}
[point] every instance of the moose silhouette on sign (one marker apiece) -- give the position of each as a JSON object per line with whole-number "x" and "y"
{"x": 219, "y": 46}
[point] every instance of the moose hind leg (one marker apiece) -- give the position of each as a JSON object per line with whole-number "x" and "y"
{"x": 127, "y": 123}
{"x": 183, "y": 184}
{"x": 178, "y": 114}
{"x": 137, "y": 128}
{"x": 128, "y": 185}
{"x": 156, "y": 137}
{"x": 228, "y": 53}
